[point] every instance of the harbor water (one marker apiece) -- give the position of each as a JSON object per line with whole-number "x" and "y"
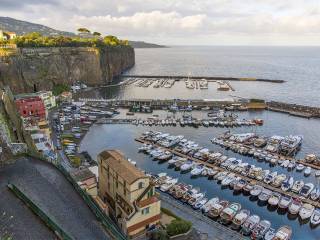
{"x": 121, "y": 136}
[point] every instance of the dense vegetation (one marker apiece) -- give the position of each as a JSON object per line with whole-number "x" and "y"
{"x": 60, "y": 88}
{"x": 178, "y": 226}
{"x": 37, "y": 40}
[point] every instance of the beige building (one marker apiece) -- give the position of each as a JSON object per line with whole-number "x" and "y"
{"x": 7, "y": 35}
{"x": 48, "y": 99}
{"x": 128, "y": 192}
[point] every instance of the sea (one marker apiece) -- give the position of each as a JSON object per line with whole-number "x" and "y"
{"x": 298, "y": 66}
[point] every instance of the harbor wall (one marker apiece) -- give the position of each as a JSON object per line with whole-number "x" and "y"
{"x": 34, "y": 69}
{"x": 294, "y": 109}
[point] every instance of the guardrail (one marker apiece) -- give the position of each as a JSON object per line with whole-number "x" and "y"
{"x": 44, "y": 217}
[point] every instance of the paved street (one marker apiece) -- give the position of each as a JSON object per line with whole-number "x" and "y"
{"x": 203, "y": 224}
{"x": 49, "y": 189}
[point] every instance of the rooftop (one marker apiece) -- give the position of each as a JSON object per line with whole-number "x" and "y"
{"x": 117, "y": 161}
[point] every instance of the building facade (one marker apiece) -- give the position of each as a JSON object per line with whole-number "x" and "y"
{"x": 31, "y": 107}
{"x": 129, "y": 193}
{"x": 7, "y": 35}
{"x": 48, "y": 99}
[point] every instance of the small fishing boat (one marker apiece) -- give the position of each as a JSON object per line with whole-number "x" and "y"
{"x": 247, "y": 188}
{"x": 284, "y": 202}
{"x": 307, "y": 171}
{"x": 306, "y": 189}
{"x": 240, "y": 218}
{"x": 229, "y": 212}
{"x": 228, "y": 179}
{"x": 217, "y": 208}
{"x": 287, "y": 184}
{"x": 274, "y": 199}
{"x": 270, "y": 234}
{"x": 283, "y": 233}
{"x": 315, "y": 218}
{"x": 306, "y": 211}
{"x": 186, "y": 166}
{"x": 278, "y": 180}
{"x": 250, "y": 224}
{"x": 260, "y": 230}
{"x": 168, "y": 184}
{"x": 270, "y": 177}
{"x": 206, "y": 207}
{"x": 257, "y": 189}
{"x": 195, "y": 197}
{"x": 265, "y": 195}
{"x": 295, "y": 206}
{"x": 315, "y": 194}
{"x": 239, "y": 185}
{"x": 297, "y": 186}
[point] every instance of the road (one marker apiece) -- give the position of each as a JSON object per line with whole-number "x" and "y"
{"x": 203, "y": 224}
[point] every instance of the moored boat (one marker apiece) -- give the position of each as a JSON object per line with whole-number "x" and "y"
{"x": 284, "y": 202}
{"x": 283, "y": 233}
{"x": 295, "y": 206}
{"x": 265, "y": 195}
{"x": 260, "y": 230}
{"x": 306, "y": 211}
{"x": 250, "y": 224}
{"x": 229, "y": 212}
{"x": 315, "y": 218}
{"x": 240, "y": 218}
{"x": 206, "y": 207}
{"x": 274, "y": 199}
{"x": 217, "y": 208}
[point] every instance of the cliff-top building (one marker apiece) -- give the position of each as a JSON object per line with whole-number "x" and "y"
{"x": 7, "y": 35}
{"x": 128, "y": 192}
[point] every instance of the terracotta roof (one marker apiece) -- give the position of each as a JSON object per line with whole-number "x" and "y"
{"x": 117, "y": 161}
{"x": 82, "y": 175}
{"x": 147, "y": 201}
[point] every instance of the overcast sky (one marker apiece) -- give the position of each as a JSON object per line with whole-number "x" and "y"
{"x": 180, "y": 22}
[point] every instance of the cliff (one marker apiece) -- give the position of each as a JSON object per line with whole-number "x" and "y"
{"x": 30, "y": 69}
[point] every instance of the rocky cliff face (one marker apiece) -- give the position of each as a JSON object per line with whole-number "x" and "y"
{"x": 31, "y": 69}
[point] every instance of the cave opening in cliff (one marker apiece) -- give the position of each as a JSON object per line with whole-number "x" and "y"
{"x": 34, "y": 88}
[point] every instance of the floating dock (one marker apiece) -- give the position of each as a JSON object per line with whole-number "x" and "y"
{"x": 208, "y": 78}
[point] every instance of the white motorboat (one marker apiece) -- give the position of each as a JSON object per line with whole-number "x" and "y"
{"x": 315, "y": 218}
{"x": 306, "y": 211}
{"x": 206, "y": 207}
{"x": 198, "y": 204}
{"x": 168, "y": 184}
{"x": 197, "y": 170}
{"x": 265, "y": 195}
{"x": 274, "y": 199}
{"x": 284, "y": 202}
{"x": 228, "y": 179}
{"x": 195, "y": 198}
{"x": 270, "y": 177}
{"x": 300, "y": 167}
{"x": 306, "y": 189}
{"x": 187, "y": 166}
{"x": 270, "y": 234}
{"x": 285, "y": 163}
{"x": 317, "y": 173}
{"x": 278, "y": 180}
{"x": 287, "y": 184}
{"x": 240, "y": 218}
{"x": 229, "y": 212}
{"x": 307, "y": 171}
{"x": 297, "y": 186}
{"x": 283, "y": 233}
{"x": 217, "y": 208}
{"x": 250, "y": 224}
{"x": 295, "y": 206}
{"x": 260, "y": 230}
{"x": 257, "y": 189}
{"x": 315, "y": 194}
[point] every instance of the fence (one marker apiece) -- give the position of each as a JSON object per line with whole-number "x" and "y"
{"x": 49, "y": 222}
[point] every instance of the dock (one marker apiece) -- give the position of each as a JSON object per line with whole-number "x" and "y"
{"x": 208, "y": 78}
{"x": 252, "y": 181}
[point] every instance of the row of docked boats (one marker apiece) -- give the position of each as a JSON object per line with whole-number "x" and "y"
{"x": 229, "y": 171}
{"x": 221, "y": 210}
{"x": 191, "y": 149}
{"x": 276, "y": 145}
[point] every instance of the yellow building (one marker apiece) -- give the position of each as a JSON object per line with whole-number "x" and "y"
{"x": 128, "y": 192}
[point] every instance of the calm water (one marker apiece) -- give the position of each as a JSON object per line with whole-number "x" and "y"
{"x": 121, "y": 137}
{"x": 299, "y": 66}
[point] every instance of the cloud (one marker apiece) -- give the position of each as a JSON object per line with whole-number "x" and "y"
{"x": 176, "y": 21}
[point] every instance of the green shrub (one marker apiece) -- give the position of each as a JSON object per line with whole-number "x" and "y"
{"x": 159, "y": 235}
{"x": 60, "y": 88}
{"x": 178, "y": 226}
{"x": 255, "y": 100}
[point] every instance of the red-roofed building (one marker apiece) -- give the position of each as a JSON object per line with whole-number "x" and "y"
{"x": 32, "y": 106}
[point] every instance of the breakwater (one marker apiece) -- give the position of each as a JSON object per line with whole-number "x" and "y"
{"x": 215, "y": 78}
{"x": 294, "y": 109}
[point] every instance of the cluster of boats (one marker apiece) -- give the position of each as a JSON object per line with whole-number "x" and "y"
{"x": 229, "y": 172}
{"x": 261, "y": 147}
{"x": 221, "y": 210}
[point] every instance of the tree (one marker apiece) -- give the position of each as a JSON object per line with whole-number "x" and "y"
{"x": 83, "y": 30}
{"x": 97, "y": 34}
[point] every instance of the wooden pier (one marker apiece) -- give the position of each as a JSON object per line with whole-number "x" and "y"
{"x": 252, "y": 181}
{"x": 179, "y": 77}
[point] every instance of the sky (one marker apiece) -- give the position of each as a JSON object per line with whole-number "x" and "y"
{"x": 180, "y": 22}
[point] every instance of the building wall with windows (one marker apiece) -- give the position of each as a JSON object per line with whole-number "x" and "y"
{"x": 31, "y": 107}
{"x": 128, "y": 192}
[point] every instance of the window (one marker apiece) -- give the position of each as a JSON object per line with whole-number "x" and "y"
{"x": 150, "y": 193}
{"x": 145, "y": 211}
{"x": 140, "y": 185}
